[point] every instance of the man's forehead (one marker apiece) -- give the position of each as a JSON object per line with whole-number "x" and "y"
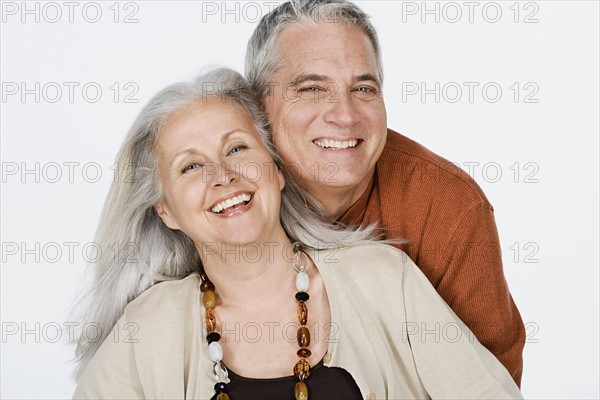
{"x": 329, "y": 69}
{"x": 324, "y": 48}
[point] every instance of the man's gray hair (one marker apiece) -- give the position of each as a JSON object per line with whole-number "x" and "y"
{"x": 144, "y": 250}
{"x": 262, "y": 57}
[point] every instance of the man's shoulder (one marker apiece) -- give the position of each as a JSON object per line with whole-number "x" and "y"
{"x": 405, "y": 162}
{"x": 398, "y": 143}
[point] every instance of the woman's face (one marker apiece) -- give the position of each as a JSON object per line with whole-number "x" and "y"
{"x": 220, "y": 185}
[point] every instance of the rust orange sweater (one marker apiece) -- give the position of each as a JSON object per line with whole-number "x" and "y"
{"x": 451, "y": 235}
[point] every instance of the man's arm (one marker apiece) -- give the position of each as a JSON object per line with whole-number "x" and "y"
{"x": 457, "y": 366}
{"x": 473, "y": 285}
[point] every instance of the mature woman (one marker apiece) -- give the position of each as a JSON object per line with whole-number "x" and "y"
{"x": 258, "y": 297}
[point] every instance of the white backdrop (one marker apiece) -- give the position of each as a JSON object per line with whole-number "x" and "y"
{"x": 507, "y": 90}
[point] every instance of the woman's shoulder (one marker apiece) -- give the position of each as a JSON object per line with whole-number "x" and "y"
{"x": 171, "y": 299}
{"x": 361, "y": 260}
{"x": 368, "y": 252}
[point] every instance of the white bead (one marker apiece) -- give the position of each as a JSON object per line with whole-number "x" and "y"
{"x": 302, "y": 282}
{"x": 215, "y": 351}
{"x": 301, "y": 262}
{"x": 220, "y": 371}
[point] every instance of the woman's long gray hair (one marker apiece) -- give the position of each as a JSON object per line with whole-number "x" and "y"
{"x": 144, "y": 250}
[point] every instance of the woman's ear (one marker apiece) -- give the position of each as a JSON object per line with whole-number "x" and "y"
{"x": 163, "y": 212}
{"x": 281, "y": 179}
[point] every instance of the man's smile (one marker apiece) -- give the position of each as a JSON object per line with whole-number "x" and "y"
{"x": 337, "y": 144}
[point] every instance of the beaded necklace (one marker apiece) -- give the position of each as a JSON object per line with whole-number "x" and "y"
{"x": 302, "y": 367}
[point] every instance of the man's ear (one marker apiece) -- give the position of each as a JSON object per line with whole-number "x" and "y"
{"x": 163, "y": 212}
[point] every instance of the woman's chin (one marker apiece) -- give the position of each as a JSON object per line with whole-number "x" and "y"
{"x": 238, "y": 241}
{"x": 248, "y": 241}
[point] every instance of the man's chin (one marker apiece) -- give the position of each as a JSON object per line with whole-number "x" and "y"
{"x": 324, "y": 175}
{"x": 337, "y": 182}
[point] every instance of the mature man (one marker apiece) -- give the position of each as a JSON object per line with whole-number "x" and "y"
{"x": 316, "y": 65}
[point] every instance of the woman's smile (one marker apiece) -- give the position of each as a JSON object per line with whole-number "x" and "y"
{"x": 234, "y": 204}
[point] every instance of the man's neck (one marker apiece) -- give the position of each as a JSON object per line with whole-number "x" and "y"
{"x": 336, "y": 201}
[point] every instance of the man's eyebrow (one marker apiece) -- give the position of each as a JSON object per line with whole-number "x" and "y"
{"x": 309, "y": 77}
{"x": 367, "y": 77}
{"x": 323, "y": 78}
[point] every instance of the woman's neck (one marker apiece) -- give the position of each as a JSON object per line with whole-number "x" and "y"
{"x": 250, "y": 274}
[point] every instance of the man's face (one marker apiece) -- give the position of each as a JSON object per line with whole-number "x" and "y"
{"x": 326, "y": 107}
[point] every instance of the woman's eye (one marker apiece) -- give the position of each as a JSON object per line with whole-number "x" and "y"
{"x": 237, "y": 149}
{"x": 191, "y": 167}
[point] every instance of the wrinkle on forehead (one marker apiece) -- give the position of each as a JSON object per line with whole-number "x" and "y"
{"x": 185, "y": 122}
{"x": 331, "y": 45}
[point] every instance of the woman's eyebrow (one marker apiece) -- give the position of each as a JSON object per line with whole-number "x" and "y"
{"x": 183, "y": 153}
{"x": 193, "y": 150}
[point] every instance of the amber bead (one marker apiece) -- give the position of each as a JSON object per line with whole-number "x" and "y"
{"x": 301, "y": 391}
{"x": 209, "y": 299}
{"x": 302, "y": 313}
{"x": 222, "y": 396}
{"x": 211, "y": 321}
{"x": 303, "y": 336}
{"x": 302, "y": 369}
{"x": 304, "y": 353}
{"x": 207, "y": 285}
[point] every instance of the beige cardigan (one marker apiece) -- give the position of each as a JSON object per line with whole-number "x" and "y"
{"x": 391, "y": 331}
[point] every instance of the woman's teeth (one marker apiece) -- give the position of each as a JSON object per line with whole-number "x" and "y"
{"x": 234, "y": 201}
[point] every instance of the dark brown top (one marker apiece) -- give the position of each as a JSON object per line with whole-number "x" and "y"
{"x": 324, "y": 383}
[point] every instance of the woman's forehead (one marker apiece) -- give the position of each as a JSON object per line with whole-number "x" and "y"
{"x": 203, "y": 121}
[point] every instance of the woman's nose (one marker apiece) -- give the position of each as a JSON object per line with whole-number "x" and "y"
{"x": 224, "y": 175}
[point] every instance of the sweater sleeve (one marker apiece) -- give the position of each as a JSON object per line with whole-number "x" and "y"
{"x": 451, "y": 363}
{"x": 474, "y": 286}
{"x": 112, "y": 371}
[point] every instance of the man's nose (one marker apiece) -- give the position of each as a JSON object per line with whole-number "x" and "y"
{"x": 341, "y": 109}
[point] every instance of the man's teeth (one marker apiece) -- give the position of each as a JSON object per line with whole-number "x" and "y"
{"x": 234, "y": 201}
{"x": 336, "y": 144}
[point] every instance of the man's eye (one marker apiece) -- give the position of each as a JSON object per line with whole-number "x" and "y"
{"x": 366, "y": 92}
{"x": 366, "y": 89}
{"x": 312, "y": 89}
{"x": 313, "y": 93}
